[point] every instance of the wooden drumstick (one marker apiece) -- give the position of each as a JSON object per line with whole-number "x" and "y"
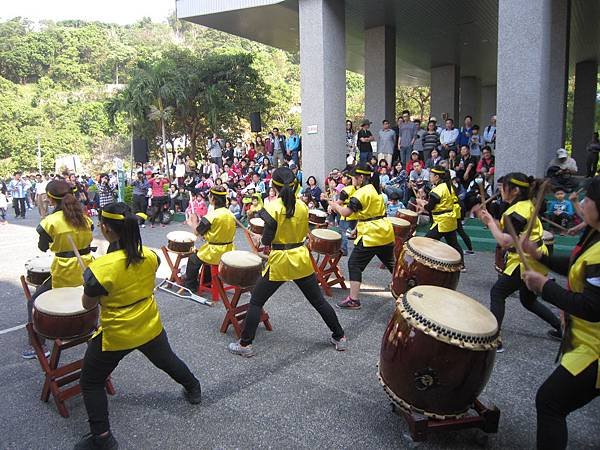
{"x": 517, "y": 243}
{"x": 548, "y": 221}
{"x": 481, "y": 194}
{"x": 77, "y": 255}
{"x": 489, "y": 200}
{"x": 538, "y": 205}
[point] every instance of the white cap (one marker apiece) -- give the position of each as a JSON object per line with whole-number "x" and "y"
{"x": 561, "y": 153}
{"x": 452, "y": 174}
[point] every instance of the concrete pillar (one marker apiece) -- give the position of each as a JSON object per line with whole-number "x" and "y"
{"x": 470, "y": 99}
{"x": 531, "y": 83}
{"x": 380, "y": 74}
{"x": 444, "y": 93}
{"x": 488, "y": 104}
{"x": 584, "y": 110}
{"x": 322, "y": 85}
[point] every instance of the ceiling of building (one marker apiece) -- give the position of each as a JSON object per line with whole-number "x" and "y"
{"x": 428, "y": 34}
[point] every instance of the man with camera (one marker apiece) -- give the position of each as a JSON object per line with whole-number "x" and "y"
{"x": 141, "y": 186}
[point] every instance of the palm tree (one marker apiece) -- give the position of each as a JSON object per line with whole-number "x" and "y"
{"x": 162, "y": 114}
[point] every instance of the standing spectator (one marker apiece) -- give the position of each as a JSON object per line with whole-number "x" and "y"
{"x": 448, "y": 138}
{"x": 475, "y": 142}
{"x": 260, "y": 145}
{"x": 396, "y": 154}
{"x": 292, "y": 146}
{"x": 269, "y": 146}
{"x": 364, "y": 139}
{"x": 106, "y": 191}
{"x": 41, "y": 198}
{"x": 350, "y": 139}
{"x": 467, "y": 165}
{"x": 140, "y": 194}
{"x": 18, "y": 192}
{"x": 251, "y": 154}
{"x": 486, "y": 164}
{"x": 239, "y": 150}
{"x": 215, "y": 150}
{"x": 180, "y": 170}
{"x": 3, "y": 204}
{"x": 407, "y": 133}
{"x": 465, "y": 132}
{"x": 158, "y": 199}
{"x": 489, "y": 133}
{"x": 278, "y": 148}
{"x": 386, "y": 142}
{"x": 228, "y": 152}
{"x": 430, "y": 139}
{"x": 593, "y": 149}
{"x": 420, "y": 132}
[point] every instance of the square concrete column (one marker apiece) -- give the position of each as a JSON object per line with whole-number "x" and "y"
{"x": 584, "y": 110}
{"x": 380, "y": 74}
{"x": 470, "y": 99}
{"x": 323, "y": 86}
{"x": 532, "y": 67}
{"x": 488, "y": 104}
{"x": 444, "y": 92}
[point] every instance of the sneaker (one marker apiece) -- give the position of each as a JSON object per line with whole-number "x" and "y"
{"x": 194, "y": 396}
{"x": 500, "y": 348}
{"x": 341, "y": 345}
{"x": 349, "y": 303}
{"x": 469, "y": 252}
{"x": 94, "y": 442}
{"x": 555, "y": 335}
{"x": 29, "y": 353}
{"x": 238, "y": 349}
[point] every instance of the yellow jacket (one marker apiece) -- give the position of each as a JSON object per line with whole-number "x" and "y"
{"x": 219, "y": 237}
{"x": 444, "y": 213}
{"x": 373, "y": 228}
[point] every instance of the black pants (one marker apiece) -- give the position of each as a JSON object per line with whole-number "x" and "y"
{"x": 361, "y": 256}
{"x": 98, "y": 365}
{"x": 505, "y": 286}
{"x": 592, "y": 163}
{"x": 464, "y": 236}
{"x": 265, "y": 288}
{"x": 19, "y": 206}
{"x": 194, "y": 264}
{"x": 158, "y": 206}
{"x": 449, "y": 237}
{"x": 560, "y": 395}
{"x": 140, "y": 204}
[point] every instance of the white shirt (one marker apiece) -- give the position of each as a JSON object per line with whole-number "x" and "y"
{"x": 449, "y": 136}
{"x": 40, "y": 188}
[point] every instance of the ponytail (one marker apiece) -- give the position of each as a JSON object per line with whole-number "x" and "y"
{"x": 61, "y": 192}
{"x": 285, "y": 182}
{"x": 119, "y": 218}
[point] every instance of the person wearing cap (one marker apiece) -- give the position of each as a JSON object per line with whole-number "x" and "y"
{"x": 414, "y": 157}
{"x": 561, "y": 170}
{"x": 292, "y": 146}
{"x": 217, "y": 228}
{"x": 363, "y": 140}
{"x": 140, "y": 193}
{"x": 374, "y": 233}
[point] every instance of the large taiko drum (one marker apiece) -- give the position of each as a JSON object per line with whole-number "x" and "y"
{"x": 402, "y": 232}
{"x": 426, "y": 261}
{"x": 500, "y": 259}
{"x": 437, "y": 352}
{"x": 324, "y": 241}
{"x": 316, "y": 216}
{"x": 411, "y": 216}
{"x": 181, "y": 241}
{"x": 59, "y": 314}
{"x": 548, "y": 239}
{"x": 38, "y": 269}
{"x": 240, "y": 268}
{"x": 257, "y": 225}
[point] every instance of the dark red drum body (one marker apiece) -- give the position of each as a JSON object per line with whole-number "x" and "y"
{"x": 410, "y": 216}
{"x": 59, "y": 314}
{"x": 500, "y": 259}
{"x": 325, "y": 242}
{"x": 257, "y": 225}
{"x": 181, "y": 241}
{"x": 437, "y": 352}
{"x": 316, "y": 216}
{"x": 402, "y": 232}
{"x": 240, "y": 268}
{"x": 38, "y": 269}
{"x": 426, "y": 261}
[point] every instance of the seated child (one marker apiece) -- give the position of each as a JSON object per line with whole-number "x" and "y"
{"x": 559, "y": 210}
{"x": 393, "y": 204}
{"x": 235, "y": 209}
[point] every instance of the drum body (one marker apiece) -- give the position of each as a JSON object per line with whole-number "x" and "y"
{"x": 548, "y": 239}
{"x": 434, "y": 368}
{"x": 181, "y": 241}
{"x": 316, "y": 216}
{"x": 410, "y": 216}
{"x": 325, "y": 242}
{"x": 59, "y": 314}
{"x": 257, "y": 225}
{"x": 402, "y": 232}
{"x": 240, "y": 268}
{"x": 426, "y": 261}
{"x": 38, "y": 269}
{"x": 500, "y": 259}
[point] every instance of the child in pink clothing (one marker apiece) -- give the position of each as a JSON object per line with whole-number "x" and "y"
{"x": 197, "y": 206}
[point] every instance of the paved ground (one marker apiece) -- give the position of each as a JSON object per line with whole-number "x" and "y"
{"x": 296, "y": 393}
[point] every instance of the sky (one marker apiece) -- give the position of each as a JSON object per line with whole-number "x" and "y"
{"x": 114, "y": 11}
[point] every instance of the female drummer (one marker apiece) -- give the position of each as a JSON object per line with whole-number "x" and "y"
{"x": 286, "y": 226}
{"x": 517, "y": 189}
{"x": 218, "y": 230}
{"x": 374, "y": 234}
{"x": 122, "y": 283}
{"x": 67, "y": 220}
{"x": 444, "y": 208}
{"x": 576, "y": 381}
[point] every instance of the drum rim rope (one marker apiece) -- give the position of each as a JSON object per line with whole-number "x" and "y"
{"x": 430, "y": 262}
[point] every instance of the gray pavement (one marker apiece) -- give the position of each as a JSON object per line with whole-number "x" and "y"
{"x": 298, "y": 392}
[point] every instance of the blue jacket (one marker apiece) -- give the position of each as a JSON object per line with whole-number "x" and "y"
{"x": 292, "y": 143}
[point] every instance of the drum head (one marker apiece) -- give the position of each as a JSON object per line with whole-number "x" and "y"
{"x": 434, "y": 250}
{"x": 241, "y": 259}
{"x": 257, "y": 221}
{"x": 39, "y": 264}
{"x": 407, "y": 212}
{"x": 328, "y": 235}
{"x": 450, "y": 311}
{"x": 398, "y": 222}
{"x": 317, "y": 212}
{"x": 61, "y": 301}
{"x": 181, "y": 236}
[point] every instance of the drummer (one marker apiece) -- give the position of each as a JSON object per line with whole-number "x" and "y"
{"x": 576, "y": 381}
{"x": 374, "y": 234}
{"x": 218, "y": 229}
{"x": 444, "y": 207}
{"x": 67, "y": 219}
{"x": 286, "y": 226}
{"x": 122, "y": 283}
{"x": 517, "y": 188}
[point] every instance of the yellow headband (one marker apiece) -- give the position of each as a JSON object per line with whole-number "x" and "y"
{"x": 438, "y": 171}
{"x": 115, "y": 216}
{"x": 362, "y": 172}
{"x": 278, "y": 183}
{"x": 55, "y": 197}
{"x": 519, "y": 183}
{"x": 212, "y": 191}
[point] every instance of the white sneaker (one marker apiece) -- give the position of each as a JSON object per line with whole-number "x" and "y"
{"x": 341, "y": 345}
{"x": 238, "y": 349}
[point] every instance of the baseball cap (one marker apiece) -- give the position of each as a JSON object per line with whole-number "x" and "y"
{"x": 561, "y": 153}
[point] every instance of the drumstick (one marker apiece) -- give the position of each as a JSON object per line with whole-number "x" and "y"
{"x": 560, "y": 227}
{"x": 489, "y": 200}
{"x": 481, "y": 194}
{"x": 77, "y": 255}
{"x": 416, "y": 193}
{"x": 538, "y": 205}
{"x": 513, "y": 235}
